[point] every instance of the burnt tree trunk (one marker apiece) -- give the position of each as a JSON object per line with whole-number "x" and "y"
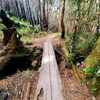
{"x": 7, "y": 34}
{"x": 10, "y": 27}
{"x": 14, "y": 43}
{"x": 14, "y": 56}
{"x": 62, "y": 21}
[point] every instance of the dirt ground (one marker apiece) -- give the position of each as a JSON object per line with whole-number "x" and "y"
{"x": 72, "y": 88}
{"x": 20, "y": 85}
{"x": 15, "y": 86}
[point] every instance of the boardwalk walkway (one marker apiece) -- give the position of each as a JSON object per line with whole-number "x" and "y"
{"x": 49, "y": 85}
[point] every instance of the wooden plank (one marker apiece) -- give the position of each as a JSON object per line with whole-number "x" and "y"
{"x": 49, "y": 84}
{"x": 55, "y": 76}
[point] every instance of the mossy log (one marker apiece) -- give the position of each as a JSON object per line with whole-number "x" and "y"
{"x": 94, "y": 56}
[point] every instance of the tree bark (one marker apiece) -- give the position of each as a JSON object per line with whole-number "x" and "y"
{"x": 45, "y": 23}
{"x": 8, "y": 32}
{"x": 62, "y": 21}
{"x": 6, "y": 36}
{"x": 40, "y": 14}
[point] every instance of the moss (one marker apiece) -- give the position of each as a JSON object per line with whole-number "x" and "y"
{"x": 68, "y": 59}
{"x": 94, "y": 56}
{"x": 27, "y": 38}
{"x": 1, "y": 27}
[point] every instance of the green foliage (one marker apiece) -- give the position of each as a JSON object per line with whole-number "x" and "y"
{"x": 1, "y": 27}
{"x": 93, "y": 77}
{"x": 81, "y": 44}
{"x": 22, "y": 22}
{"x": 92, "y": 71}
{"x": 36, "y": 29}
{"x": 94, "y": 57}
{"x": 85, "y": 41}
{"x": 25, "y": 26}
{"x": 22, "y": 30}
{"x": 27, "y": 38}
{"x": 87, "y": 44}
{"x": 93, "y": 86}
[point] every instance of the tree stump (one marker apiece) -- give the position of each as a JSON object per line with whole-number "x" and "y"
{"x": 7, "y": 35}
{"x": 10, "y": 27}
{"x": 14, "y": 42}
{"x": 14, "y": 56}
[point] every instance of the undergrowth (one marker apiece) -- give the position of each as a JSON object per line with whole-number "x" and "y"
{"x": 25, "y": 29}
{"x": 92, "y": 77}
{"x": 88, "y": 46}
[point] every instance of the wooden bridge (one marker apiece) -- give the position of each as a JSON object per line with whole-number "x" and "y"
{"x": 49, "y": 85}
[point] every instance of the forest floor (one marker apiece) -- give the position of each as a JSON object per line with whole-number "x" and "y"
{"x": 16, "y": 86}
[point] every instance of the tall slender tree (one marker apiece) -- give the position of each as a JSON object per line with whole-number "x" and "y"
{"x": 62, "y": 20}
{"x": 98, "y": 15}
{"x": 45, "y": 22}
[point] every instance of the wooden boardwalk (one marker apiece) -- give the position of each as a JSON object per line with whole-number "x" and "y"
{"x": 49, "y": 85}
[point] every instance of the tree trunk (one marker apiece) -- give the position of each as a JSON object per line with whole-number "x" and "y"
{"x": 14, "y": 42}
{"x": 14, "y": 56}
{"x": 47, "y": 14}
{"x": 8, "y": 32}
{"x": 40, "y": 14}
{"x": 45, "y": 24}
{"x": 78, "y": 16}
{"x": 98, "y": 16}
{"x": 62, "y": 21}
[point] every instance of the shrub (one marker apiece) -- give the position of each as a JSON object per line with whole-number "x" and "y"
{"x": 93, "y": 78}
